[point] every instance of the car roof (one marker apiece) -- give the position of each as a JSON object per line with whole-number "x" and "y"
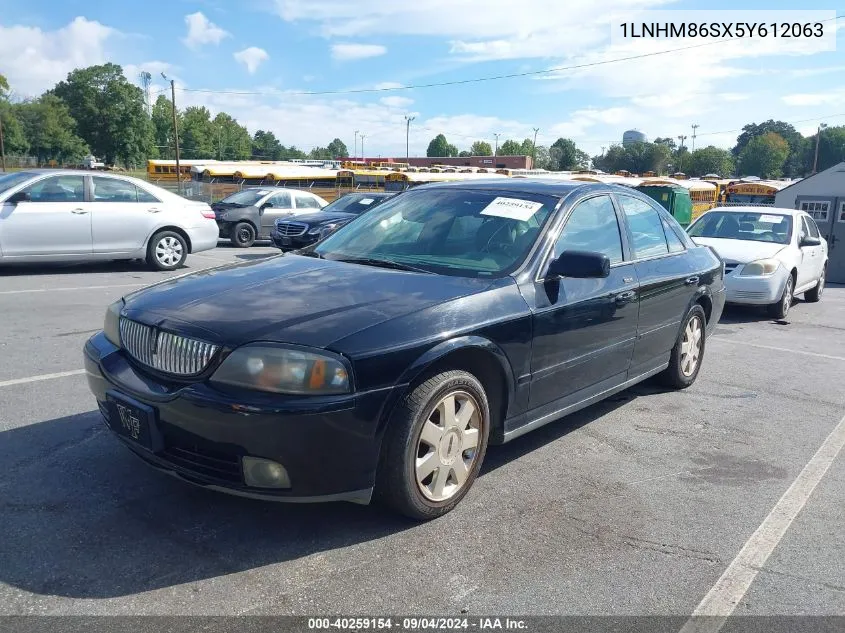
{"x": 558, "y": 188}
{"x": 763, "y": 209}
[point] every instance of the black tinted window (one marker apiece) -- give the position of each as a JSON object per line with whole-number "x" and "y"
{"x": 592, "y": 226}
{"x": 675, "y": 243}
{"x": 646, "y": 227}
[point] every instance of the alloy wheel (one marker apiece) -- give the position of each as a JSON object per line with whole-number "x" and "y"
{"x": 168, "y": 251}
{"x": 787, "y": 296}
{"x": 691, "y": 346}
{"x": 448, "y": 446}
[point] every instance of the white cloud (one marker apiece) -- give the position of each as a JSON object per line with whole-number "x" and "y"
{"x": 388, "y": 85}
{"x": 34, "y": 60}
{"x": 202, "y": 31}
{"x": 345, "y": 52}
{"x": 251, "y": 58}
{"x": 814, "y": 98}
{"x": 396, "y": 102}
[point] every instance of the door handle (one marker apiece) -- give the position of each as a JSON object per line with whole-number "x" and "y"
{"x": 153, "y": 210}
{"x": 79, "y": 211}
{"x": 689, "y": 281}
{"x": 625, "y": 297}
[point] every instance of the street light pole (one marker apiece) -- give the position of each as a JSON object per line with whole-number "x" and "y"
{"x": 355, "y": 149}
{"x": 534, "y": 149}
{"x": 815, "y": 160}
{"x": 695, "y": 126}
{"x": 497, "y": 135}
{"x": 681, "y": 138}
{"x": 408, "y": 120}
{"x": 175, "y": 133}
{"x": 362, "y": 149}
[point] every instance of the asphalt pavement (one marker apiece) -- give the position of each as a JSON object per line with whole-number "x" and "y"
{"x": 635, "y": 506}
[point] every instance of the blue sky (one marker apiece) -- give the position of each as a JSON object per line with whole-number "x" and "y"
{"x": 280, "y": 47}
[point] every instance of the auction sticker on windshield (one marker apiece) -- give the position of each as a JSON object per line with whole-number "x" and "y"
{"x": 512, "y": 208}
{"x": 366, "y": 201}
{"x": 771, "y": 219}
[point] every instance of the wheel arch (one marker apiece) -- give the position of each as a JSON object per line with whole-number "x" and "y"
{"x": 175, "y": 229}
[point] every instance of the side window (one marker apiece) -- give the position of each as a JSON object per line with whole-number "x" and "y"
{"x": 306, "y": 202}
{"x": 646, "y": 228}
{"x": 58, "y": 189}
{"x": 146, "y": 196}
{"x": 113, "y": 190}
{"x": 592, "y": 226}
{"x": 280, "y": 201}
{"x": 675, "y": 243}
{"x": 803, "y": 231}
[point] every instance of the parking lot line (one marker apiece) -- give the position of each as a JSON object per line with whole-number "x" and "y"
{"x": 28, "y": 290}
{"x": 725, "y": 595}
{"x": 777, "y": 349}
{"x": 21, "y": 381}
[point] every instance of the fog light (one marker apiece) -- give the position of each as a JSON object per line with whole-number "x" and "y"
{"x": 263, "y": 473}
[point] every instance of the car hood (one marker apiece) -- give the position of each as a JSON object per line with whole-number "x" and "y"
{"x": 291, "y": 299}
{"x": 321, "y": 217}
{"x": 740, "y": 251}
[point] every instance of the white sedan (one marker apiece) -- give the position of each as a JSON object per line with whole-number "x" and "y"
{"x": 770, "y": 254}
{"x": 64, "y": 215}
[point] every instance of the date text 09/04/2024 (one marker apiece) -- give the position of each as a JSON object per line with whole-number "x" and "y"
{"x": 415, "y": 624}
{"x": 721, "y": 29}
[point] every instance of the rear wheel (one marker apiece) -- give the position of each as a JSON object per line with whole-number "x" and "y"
{"x": 167, "y": 250}
{"x": 815, "y": 294}
{"x": 242, "y": 235}
{"x": 434, "y": 445}
{"x": 780, "y": 309}
{"x": 685, "y": 359}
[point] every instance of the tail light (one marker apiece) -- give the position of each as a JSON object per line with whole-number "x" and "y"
{"x": 208, "y": 214}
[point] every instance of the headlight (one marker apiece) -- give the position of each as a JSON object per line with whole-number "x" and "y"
{"x": 760, "y": 267}
{"x": 283, "y": 370}
{"x": 323, "y": 228}
{"x": 111, "y": 326}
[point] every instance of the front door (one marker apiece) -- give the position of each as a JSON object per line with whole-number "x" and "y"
{"x": 836, "y": 245}
{"x": 55, "y": 222}
{"x": 122, "y": 216}
{"x": 667, "y": 282}
{"x": 277, "y": 206}
{"x": 584, "y": 329}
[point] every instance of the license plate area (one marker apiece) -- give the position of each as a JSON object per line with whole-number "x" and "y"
{"x": 133, "y": 421}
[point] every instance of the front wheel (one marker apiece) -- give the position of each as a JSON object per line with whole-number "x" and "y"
{"x": 815, "y": 294}
{"x": 780, "y": 309}
{"x": 242, "y": 235}
{"x": 434, "y": 445}
{"x": 167, "y": 250}
{"x": 685, "y": 359}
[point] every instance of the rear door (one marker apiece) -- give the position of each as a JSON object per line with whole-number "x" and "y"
{"x": 122, "y": 215}
{"x": 812, "y": 258}
{"x": 279, "y": 205}
{"x": 667, "y": 280}
{"x": 55, "y": 222}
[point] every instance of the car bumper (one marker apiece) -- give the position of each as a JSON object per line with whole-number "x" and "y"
{"x": 292, "y": 243}
{"x": 203, "y": 237}
{"x": 328, "y": 446}
{"x": 755, "y": 290}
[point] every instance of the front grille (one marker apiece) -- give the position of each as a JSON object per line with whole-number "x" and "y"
{"x": 291, "y": 229}
{"x": 215, "y": 465}
{"x": 751, "y": 294}
{"x": 164, "y": 351}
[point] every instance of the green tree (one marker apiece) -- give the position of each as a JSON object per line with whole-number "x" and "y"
{"x": 711, "y": 160}
{"x": 465, "y": 154}
{"x": 438, "y": 147}
{"x": 527, "y": 147}
{"x": 291, "y": 152}
{"x": 50, "y": 130}
{"x": 635, "y": 158}
{"x": 338, "y": 149}
{"x": 668, "y": 141}
{"x": 831, "y": 147}
{"x": 451, "y": 150}
{"x": 197, "y": 134}
{"x": 233, "y": 139}
{"x": 162, "y": 121}
{"x": 543, "y": 159}
{"x": 320, "y": 153}
{"x": 14, "y": 138}
{"x": 109, "y": 113}
{"x": 764, "y": 156}
{"x": 566, "y": 156}
{"x": 481, "y": 148}
{"x": 510, "y": 148}
{"x": 795, "y": 163}
{"x": 265, "y": 146}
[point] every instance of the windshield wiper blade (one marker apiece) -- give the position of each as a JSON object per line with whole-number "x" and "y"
{"x": 384, "y": 263}
{"x": 308, "y": 254}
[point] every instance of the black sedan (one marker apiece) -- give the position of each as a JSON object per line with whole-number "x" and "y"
{"x": 381, "y": 362}
{"x": 303, "y": 230}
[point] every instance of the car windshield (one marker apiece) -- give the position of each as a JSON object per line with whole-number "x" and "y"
{"x": 246, "y": 198}
{"x": 458, "y": 232}
{"x": 753, "y": 226}
{"x": 7, "y": 181}
{"x": 353, "y": 203}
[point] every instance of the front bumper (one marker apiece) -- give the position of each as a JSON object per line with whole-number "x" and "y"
{"x": 755, "y": 290}
{"x": 328, "y": 445}
{"x": 292, "y": 243}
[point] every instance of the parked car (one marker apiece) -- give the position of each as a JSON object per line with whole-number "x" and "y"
{"x": 304, "y": 230}
{"x": 770, "y": 254}
{"x": 66, "y": 215}
{"x": 381, "y": 362}
{"x": 250, "y": 214}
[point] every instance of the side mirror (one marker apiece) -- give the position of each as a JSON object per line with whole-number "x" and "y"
{"x": 580, "y": 265}
{"x": 809, "y": 240}
{"x": 20, "y": 196}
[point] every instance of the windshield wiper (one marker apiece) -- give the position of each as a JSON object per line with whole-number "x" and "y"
{"x": 308, "y": 254}
{"x": 383, "y": 263}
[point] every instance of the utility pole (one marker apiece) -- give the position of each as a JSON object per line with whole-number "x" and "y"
{"x": 497, "y": 135}
{"x": 408, "y": 120}
{"x": 681, "y": 138}
{"x": 175, "y": 133}
{"x": 695, "y": 126}
{"x": 815, "y": 160}
{"x": 362, "y": 149}
{"x": 534, "y": 149}
{"x": 355, "y": 150}
{"x": 3, "y": 149}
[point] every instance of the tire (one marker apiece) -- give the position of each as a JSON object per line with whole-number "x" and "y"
{"x": 815, "y": 294}
{"x": 683, "y": 370}
{"x": 242, "y": 235}
{"x": 780, "y": 309}
{"x": 404, "y": 487}
{"x": 167, "y": 250}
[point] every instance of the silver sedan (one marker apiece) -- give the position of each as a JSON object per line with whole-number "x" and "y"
{"x": 65, "y": 215}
